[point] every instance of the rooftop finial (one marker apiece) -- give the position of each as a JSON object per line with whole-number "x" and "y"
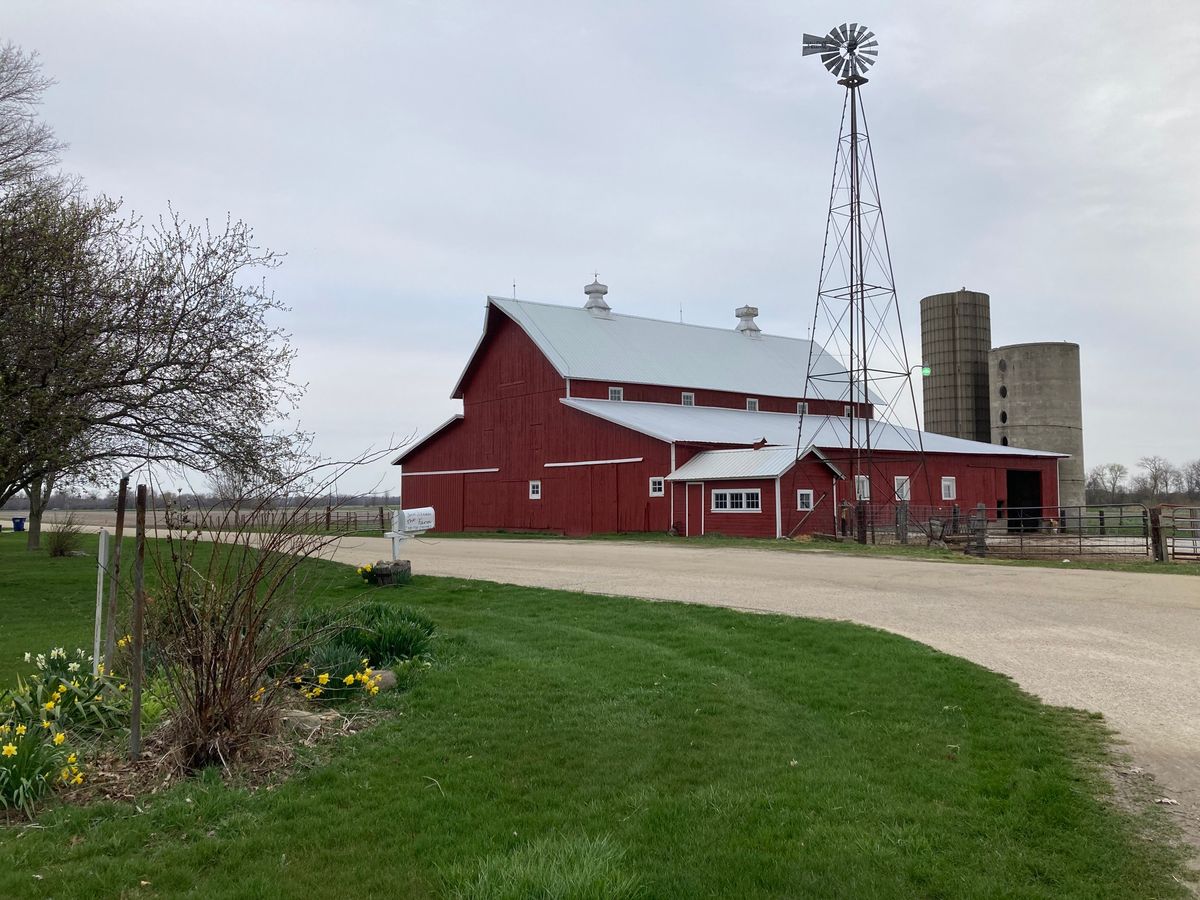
{"x": 746, "y": 324}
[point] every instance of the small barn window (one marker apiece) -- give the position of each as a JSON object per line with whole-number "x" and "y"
{"x": 847, "y": 410}
{"x": 949, "y": 487}
{"x": 657, "y": 487}
{"x": 804, "y": 500}
{"x": 687, "y": 398}
{"x": 802, "y": 408}
{"x": 862, "y": 487}
{"x": 616, "y": 393}
{"x": 752, "y": 404}
{"x": 535, "y": 490}
{"x": 903, "y": 487}
{"x": 737, "y": 501}
{"x": 1004, "y": 441}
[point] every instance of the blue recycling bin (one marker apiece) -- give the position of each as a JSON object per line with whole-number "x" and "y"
{"x": 18, "y": 523}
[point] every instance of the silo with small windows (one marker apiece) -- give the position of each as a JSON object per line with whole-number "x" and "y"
{"x": 956, "y": 334}
{"x": 1036, "y": 402}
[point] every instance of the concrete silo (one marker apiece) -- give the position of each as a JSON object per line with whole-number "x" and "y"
{"x": 956, "y": 334}
{"x": 1036, "y": 403}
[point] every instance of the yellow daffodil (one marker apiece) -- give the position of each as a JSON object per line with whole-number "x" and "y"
{"x": 10, "y": 749}
{"x": 72, "y": 759}
{"x": 48, "y": 705}
{"x": 45, "y": 723}
{"x": 349, "y": 679}
{"x": 5, "y": 729}
{"x": 59, "y": 738}
{"x": 323, "y": 678}
{"x": 21, "y": 729}
{"x": 78, "y": 779}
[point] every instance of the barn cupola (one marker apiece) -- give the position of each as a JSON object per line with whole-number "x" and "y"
{"x": 595, "y": 299}
{"x": 746, "y": 324}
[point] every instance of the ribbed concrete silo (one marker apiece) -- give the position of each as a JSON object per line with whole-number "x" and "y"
{"x": 1037, "y": 403}
{"x": 956, "y": 335}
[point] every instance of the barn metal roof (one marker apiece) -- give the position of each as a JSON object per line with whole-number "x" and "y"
{"x": 713, "y": 465}
{"x": 713, "y": 425}
{"x": 638, "y": 350}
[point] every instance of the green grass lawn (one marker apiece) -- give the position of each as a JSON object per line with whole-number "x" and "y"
{"x": 614, "y": 747}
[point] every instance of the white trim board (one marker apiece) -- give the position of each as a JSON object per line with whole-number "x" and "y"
{"x": 448, "y": 472}
{"x": 592, "y": 462}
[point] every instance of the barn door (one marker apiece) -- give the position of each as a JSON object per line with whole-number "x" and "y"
{"x": 695, "y": 509}
{"x": 604, "y": 499}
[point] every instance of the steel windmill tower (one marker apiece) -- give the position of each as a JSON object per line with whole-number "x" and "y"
{"x": 857, "y": 315}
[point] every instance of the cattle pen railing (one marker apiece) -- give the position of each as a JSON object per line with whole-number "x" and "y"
{"x": 307, "y": 520}
{"x": 1108, "y": 531}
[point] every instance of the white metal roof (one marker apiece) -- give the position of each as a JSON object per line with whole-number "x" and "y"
{"x": 712, "y": 425}
{"x": 637, "y": 350}
{"x": 713, "y": 465}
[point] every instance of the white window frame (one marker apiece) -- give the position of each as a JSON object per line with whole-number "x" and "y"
{"x": 743, "y": 497}
{"x": 949, "y": 487}
{"x": 535, "y": 489}
{"x": 661, "y": 491}
{"x": 687, "y": 398}
{"x": 751, "y": 404}
{"x": 862, "y": 487}
{"x": 906, "y": 482}
{"x": 847, "y": 410}
{"x": 616, "y": 394}
{"x": 807, "y": 494}
{"x": 802, "y": 408}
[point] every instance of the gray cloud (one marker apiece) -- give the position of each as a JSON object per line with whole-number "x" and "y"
{"x": 411, "y": 158}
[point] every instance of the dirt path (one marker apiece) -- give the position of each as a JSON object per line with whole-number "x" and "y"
{"x": 1126, "y": 645}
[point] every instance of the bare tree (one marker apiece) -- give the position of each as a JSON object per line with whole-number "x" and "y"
{"x": 120, "y": 343}
{"x": 1191, "y": 478}
{"x": 1158, "y": 477}
{"x": 1112, "y": 479}
{"x": 27, "y": 145}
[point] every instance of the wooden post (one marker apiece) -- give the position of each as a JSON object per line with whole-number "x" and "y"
{"x": 383, "y": 527}
{"x": 110, "y": 632}
{"x": 328, "y": 511}
{"x": 902, "y": 521}
{"x": 1156, "y": 535}
{"x": 139, "y": 602}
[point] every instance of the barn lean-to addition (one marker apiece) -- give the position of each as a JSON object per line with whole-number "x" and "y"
{"x": 578, "y": 420}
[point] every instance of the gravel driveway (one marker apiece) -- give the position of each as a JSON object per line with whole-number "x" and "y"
{"x": 1122, "y": 644}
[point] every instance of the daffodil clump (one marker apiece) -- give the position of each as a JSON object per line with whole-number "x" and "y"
{"x": 337, "y": 682}
{"x": 63, "y": 691}
{"x": 32, "y": 762}
{"x": 365, "y": 573}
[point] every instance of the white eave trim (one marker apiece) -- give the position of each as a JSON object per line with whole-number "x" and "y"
{"x": 404, "y": 474}
{"x": 593, "y": 462}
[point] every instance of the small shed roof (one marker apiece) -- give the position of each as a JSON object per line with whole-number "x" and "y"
{"x": 713, "y": 425}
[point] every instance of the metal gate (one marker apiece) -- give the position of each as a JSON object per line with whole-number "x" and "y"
{"x": 1181, "y": 533}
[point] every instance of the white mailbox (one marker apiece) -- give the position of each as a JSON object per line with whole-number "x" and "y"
{"x": 406, "y": 523}
{"x": 416, "y": 520}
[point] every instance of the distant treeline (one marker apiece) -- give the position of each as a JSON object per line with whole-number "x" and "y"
{"x": 159, "y": 499}
{"x": 1156, "y": 480}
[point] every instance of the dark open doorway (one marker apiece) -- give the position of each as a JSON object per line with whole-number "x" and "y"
{"x": 1024, "y": 500}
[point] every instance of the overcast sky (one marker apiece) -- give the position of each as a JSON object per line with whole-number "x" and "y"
{"x": 411, "y": 158}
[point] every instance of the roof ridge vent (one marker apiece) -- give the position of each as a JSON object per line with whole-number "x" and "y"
{"x": 746, "y": 324}
{"x": 596, "y": 304}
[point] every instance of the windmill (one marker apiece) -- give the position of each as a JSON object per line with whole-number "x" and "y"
{"x": 857, "y": 315}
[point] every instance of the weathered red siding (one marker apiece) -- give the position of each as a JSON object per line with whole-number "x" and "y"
{"x": 654, "y": 393}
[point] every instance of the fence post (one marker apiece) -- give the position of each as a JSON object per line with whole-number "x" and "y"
{"x": 1156, "y": 535}
{"x": 902, "y": 521}
{"x": 101, "y": 572}
{"x": 139, "y": 598}
{"x": 328, "y": 516}
{"x": 1103, "y": 531}
{"x": 110, "y": 632}
{"x": 382, "y": 527}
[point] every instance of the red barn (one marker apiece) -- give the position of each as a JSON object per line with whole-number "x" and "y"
{"x": 577, "y": 420}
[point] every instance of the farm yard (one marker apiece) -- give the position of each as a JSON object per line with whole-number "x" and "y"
{"x": 681, "y": 751}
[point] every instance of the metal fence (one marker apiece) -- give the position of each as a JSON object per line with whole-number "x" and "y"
{"x": 1181, "y": 532}
{"x": 1109, "y": 531}
{"x": 327, "y": 519}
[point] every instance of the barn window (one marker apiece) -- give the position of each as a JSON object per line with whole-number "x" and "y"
{"x": 802, "y": 408}
{"x": 616, "y": 393}
{"x": 737, "y": 501}
{"x": 687, "y": 398}
{"x": 862, "y": 487}
{"x": 847, "y": 410}
{"x": 535, "y": 490}
{"x": 903, "y": 487}
{"x": 657, "y": 487}
{"x": 949, "y": 487}
{"x": 804, "y": 500}
{"x": 752, "y": 404}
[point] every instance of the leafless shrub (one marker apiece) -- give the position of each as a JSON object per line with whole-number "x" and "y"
{"x": 64, "y": 537}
